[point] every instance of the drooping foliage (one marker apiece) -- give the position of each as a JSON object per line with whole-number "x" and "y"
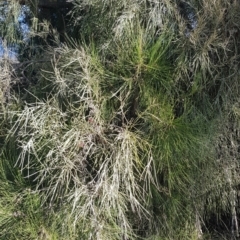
{"x": 124, "y": 127}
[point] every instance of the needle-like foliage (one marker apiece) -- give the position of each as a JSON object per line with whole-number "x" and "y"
{"x": 126, "y": 129}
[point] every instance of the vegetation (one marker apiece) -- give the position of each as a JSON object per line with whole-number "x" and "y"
{"x": 124, "y": 124}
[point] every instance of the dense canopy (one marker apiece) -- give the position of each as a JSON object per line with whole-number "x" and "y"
{"x": 119, "y": 119}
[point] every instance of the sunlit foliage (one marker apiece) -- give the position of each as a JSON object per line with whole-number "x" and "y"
{"x": 126, "y": 126}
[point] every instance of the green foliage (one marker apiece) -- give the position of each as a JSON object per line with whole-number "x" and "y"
{"x": 129, "y": 129}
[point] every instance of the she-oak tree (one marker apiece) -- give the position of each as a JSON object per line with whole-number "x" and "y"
{"x": 125, "y": 126}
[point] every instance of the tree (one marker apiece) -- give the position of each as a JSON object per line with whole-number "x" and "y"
{"x": 125, "y": 129}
